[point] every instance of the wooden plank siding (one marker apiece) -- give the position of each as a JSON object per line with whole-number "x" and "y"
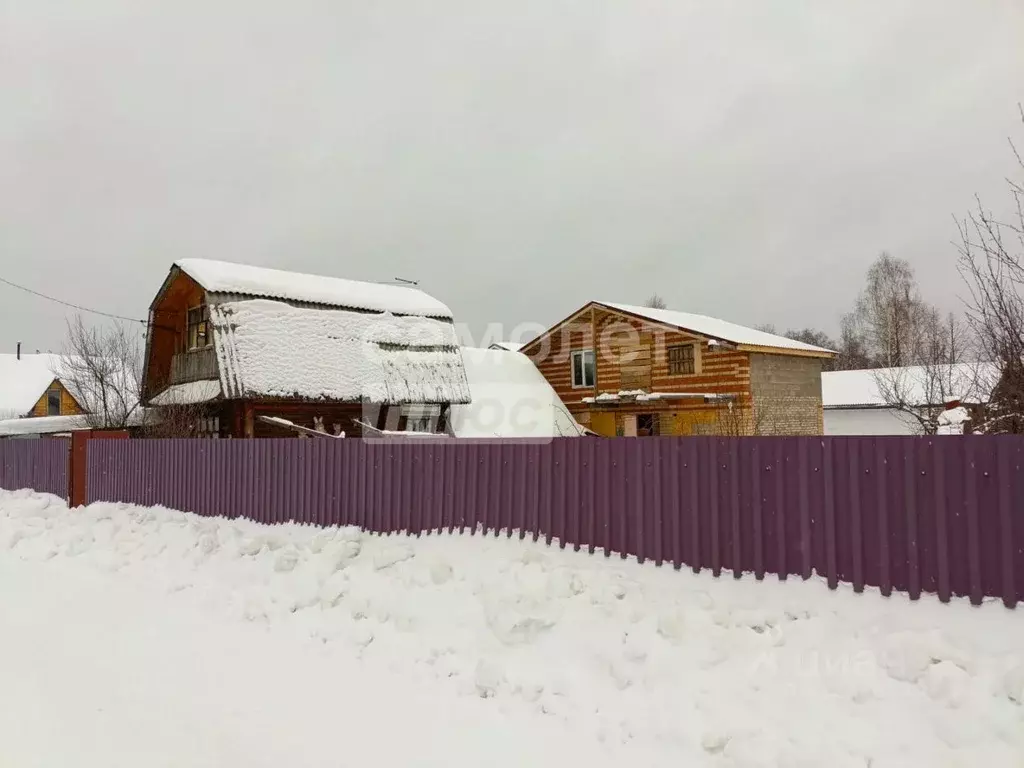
{"x": 632, "y": 353}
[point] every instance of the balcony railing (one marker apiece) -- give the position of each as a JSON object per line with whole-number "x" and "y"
{"x": 194, "y": 365}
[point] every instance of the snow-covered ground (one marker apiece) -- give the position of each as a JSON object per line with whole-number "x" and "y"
{"x": 133, "y": 636}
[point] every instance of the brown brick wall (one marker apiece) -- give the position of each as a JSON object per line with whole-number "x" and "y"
{"x": 787, "y": 395}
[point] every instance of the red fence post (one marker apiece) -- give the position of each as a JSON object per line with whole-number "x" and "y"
{"x": 76, "y": 475}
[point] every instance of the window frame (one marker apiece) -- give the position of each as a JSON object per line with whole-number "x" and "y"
{"x": 581, "y": 354}
{"x": 655, "y": 420}
{"x": 692, "y": 360}
{"x": 421, "y": 417}
{"x": 204, "y": 322}
{"x": 53, "y": 391}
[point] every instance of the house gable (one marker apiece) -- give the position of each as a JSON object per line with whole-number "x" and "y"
{"x": 634, "y": 354}
{"x": 67, "y": 404}
{"x": 168, "y": 330}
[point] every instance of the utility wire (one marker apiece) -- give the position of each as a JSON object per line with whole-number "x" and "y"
{"x": 69, "y": 304}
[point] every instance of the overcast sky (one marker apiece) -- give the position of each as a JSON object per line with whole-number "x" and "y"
{"x": 744, "y": 159}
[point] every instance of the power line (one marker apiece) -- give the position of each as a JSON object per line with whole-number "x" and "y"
{"x": 69, "y": 304}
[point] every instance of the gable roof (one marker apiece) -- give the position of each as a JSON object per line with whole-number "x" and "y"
{"x": 24, "y": 381}
{"x": 227, "y": 277}
{"x": 271, "y": 349}
{"x": 511, "y": 398}
{"x": 968, "y": 382}
{"x": 716, "y": 329}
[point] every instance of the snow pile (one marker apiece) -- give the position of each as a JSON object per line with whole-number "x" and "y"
{"x": 511, "y": 398}
{"x": 243, "y": 621}
{"x": 226, "y": 277}
{"x": 272, "y": 349}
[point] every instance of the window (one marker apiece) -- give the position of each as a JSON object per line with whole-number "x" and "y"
{"x": 421, "y": 418}
{"x": 681, "y": 359}
{"x": 53, "y": 401}
{"x": 199, "y": 328}
{"x": 647, "y": 424}
{"x": 583, "y": 373}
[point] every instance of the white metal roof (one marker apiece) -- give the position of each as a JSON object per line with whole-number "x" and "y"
{"x": 719, "y": 329}
{"x": 969, "y": 382}
{"x": 227, "y": 277}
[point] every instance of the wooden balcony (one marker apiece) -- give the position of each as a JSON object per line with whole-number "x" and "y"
{"x": 194, "y": 365}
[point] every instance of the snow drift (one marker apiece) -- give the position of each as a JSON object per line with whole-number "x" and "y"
{"x": 532, "y": 644}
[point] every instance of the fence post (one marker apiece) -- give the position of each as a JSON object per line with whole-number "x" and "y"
{"x": 77, "y": 470}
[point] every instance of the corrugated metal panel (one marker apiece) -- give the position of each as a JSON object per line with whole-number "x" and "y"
{"x": 937, "y": 515}
{"x": 40, "y": 464}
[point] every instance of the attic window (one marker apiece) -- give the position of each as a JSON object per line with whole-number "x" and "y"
{"x": 681, "y": 359}
{"x": 199, "y": 336}
{"x": 53, "y": 401}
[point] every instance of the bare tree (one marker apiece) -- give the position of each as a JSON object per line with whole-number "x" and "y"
{"x": 102, "y": 367}
{"x": 655, "y": 301}
{"x": 817, "y": 339}
{"x": 766, "y": 328}
{"x": 942, "y": 373}
{"x": 991, "y": 263}
{"x": 890, "y": 314}
{"x": 852, "y": 348}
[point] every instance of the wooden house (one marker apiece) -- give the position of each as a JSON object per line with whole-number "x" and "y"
{"x": 31, "y": 386}
{"x": 637, "y": 371}
{"x": 246, "y": 351}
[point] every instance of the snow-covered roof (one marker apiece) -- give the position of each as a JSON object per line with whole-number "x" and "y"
{"x": 508, "y": 346}
{"x": 270, "y": 349}
{"x": 226, "y": 277}
{"x": 714, "y": 328}
{"x": 189, "y": 393}
{"x": 42, "y": 425}
{"x": 511, "y": 398}
{"x": 56, "y": 425}
{"x": 24, "y": 381}
{"x": 969, "y": 382}
{"x": 642, "y": 396}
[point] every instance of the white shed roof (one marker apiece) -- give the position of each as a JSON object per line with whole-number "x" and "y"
{"x": 227, "y": 277}
{"x": 969, "y": 382}
{"x": 714, "y": 328}
{"x": 511, "y": 398}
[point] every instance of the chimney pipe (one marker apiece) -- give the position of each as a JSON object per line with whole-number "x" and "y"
{"x": 19, "y": 350}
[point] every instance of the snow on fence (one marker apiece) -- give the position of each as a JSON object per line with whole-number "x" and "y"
{"x": 38, "y": 464}
{"x": 940, "y": 515}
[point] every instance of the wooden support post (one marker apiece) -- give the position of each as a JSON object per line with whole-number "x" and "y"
{"x": 249, "y": 420}
{"x": 593, "y": 344}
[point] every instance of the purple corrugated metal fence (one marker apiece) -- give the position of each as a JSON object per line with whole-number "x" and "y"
{"x": 941, "y": 515}
{"x": 38, "y": 464}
